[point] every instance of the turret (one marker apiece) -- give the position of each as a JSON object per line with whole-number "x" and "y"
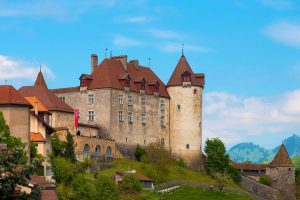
{"x": 185, "y": 89}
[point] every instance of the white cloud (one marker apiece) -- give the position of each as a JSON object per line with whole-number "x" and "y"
{"x": 187, "y": 48}
{"x": 235, "y": 118}
{"x": 123, "y": 42}
{"x": 285, "y": 32}
{"x": 278, "y": 4}
{"x": 14, "y": 70}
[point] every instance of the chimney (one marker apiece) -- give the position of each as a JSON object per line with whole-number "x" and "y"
{"x": 94, "y": 62}
{"x": 135, "y": 63}
{"x": 123, "y": 60}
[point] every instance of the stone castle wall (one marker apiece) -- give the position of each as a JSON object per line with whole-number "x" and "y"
{"x": 186, "y": 123}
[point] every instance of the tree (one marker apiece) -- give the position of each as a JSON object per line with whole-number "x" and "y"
{"x": 139, "y": 152}
{"x": 63, "y": 170}
{"x": 217, "y": 160}
{"x": 106, "y": 189}
{"x": 70, "y": 148}
{"x": 83, "y": 187}
{"x": 222, "y": 179}
{"x": 13, "y": 167}
{"x": 58, "y": 147}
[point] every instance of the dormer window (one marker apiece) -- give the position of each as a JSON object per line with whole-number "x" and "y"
{"x": 186, "y": 77}
{"x": 156, "y": 87}
{"x": 127, "y": 83}
{"x": 143, "y": 84}
{"x": 83, "y": 82}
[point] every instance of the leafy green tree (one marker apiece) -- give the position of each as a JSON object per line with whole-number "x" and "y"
{"x": 139, "y": 152}
{"x": 83, "y": 187}
{"x": 106, "y": 189}
{"x": 217, "y": 160}
{"x": 132, "y": 183}
{"x": 70, "y": 148}
{"x": 63, "y": 170}
{"x": 13, "y": 167}
{"x": 222, "y": 179}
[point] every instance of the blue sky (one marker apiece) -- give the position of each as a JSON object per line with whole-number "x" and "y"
{"x": 248, "y": 49}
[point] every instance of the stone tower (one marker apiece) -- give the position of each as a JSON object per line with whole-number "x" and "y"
{"x": 185, "y": 89}
{"x": 282, "y": 172}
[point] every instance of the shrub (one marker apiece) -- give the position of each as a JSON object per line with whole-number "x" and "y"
{"x": 139, "y": 152}
{"x": 83, "y": 187}
{"x": 222, "y": 179}
{"x": 180, "y": 165}
{"x": 64, "y": 192}
{"x": 70, "y": 148}
{"x": 106, "y": 189}
{"x": 297, "y": 174}
{"x": 131, "y": 183}
{"x": 265, "y": 179}
{"x": 63, "y": 170}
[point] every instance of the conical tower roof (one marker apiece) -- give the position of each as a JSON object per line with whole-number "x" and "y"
{"x": 282, "y": 158}
{"x": 40, "y": 81}
{"x": 197, "y": 79}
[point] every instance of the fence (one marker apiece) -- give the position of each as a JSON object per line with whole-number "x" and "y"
{"x": 94, "y": 156}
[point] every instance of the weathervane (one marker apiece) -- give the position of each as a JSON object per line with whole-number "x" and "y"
{"x": 105, "y": 52}
{"x": 182, "y": 49}
{"x": 149, "y": 62}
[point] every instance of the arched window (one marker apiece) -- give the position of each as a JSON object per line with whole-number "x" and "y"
{"x": 108, "y": 151}
{"x": 86, "y": 149}
{"x": 98, "y": 150}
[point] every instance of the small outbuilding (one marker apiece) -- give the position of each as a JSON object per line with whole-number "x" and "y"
{"x": 146, "y": 181}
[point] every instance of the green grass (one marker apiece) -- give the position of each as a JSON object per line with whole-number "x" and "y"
{"x": 175, "y": 173}
{"x": 196, "y": 193}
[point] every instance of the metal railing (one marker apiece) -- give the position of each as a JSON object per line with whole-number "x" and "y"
{"x": 94, "y": 156}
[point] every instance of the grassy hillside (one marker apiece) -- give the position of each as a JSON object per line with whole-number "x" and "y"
{"x": 296, "y": 162}
{"x": 195, "y": 193}
{"x": 175, "y": 172}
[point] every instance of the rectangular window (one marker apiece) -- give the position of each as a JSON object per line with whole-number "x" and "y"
{"x": 130, "y": 117}
{"x": 91, "y": 115}
{"x": 121, "y": 116}
{"x": 130, "y": 100}
{"x": 91, "y": 98}
{"x": 143, "y": 102}
{"x": 162, "y": 105}
{"x": 120, "y": 99}
{"x": 178, "y": 107}
{"x": 63, "y": 99}
{"x": 187, "y": 146}
{"x": 143, "y": 118}
{"x": 162, "y": 121}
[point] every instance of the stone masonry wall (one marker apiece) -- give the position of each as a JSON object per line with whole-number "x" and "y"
{"x": 262, "y": 192}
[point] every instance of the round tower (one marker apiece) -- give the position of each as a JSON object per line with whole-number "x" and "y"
{"x": 185, "y": 89}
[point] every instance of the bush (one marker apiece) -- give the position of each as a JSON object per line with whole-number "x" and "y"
{"x": 83, "y": 187}
{"x": 64, "y": 192}
{"x": 266, "y": 180}
{"x": 139, "y": 152}
{"x": 131, "y": 183}
{"x": 180, "y": 165}
{"x": 106, "y": 189}
{"x": 297, "y": 174}
{"x": 222, "y": 179}
{"x": 63, "y": 170}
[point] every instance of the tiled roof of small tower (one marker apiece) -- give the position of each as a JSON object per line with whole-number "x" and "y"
{"x": 282, "y": 158}
{"x": 109, "y": 74}
{"x": 10, "y": 96}
{"x": 197, "y": 79}
{"x": 48, "y": 99}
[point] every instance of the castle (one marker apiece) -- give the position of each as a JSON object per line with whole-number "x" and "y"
{"x": 131, "y": 105}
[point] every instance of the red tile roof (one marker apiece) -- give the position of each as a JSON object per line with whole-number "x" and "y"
{"x": 48, "y": 99}
{"x": 249, "y": 166}
{"x": 33, "y": 101}
{"x": 197, "y": 79}
{"x": 37, "y": 137}
{"x": 282, "y": 158}
{"x": 10, "y": 96}
{"x": 111, "y": 74}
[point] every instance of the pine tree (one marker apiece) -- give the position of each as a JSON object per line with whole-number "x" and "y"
{"x": 70, "y": 148}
